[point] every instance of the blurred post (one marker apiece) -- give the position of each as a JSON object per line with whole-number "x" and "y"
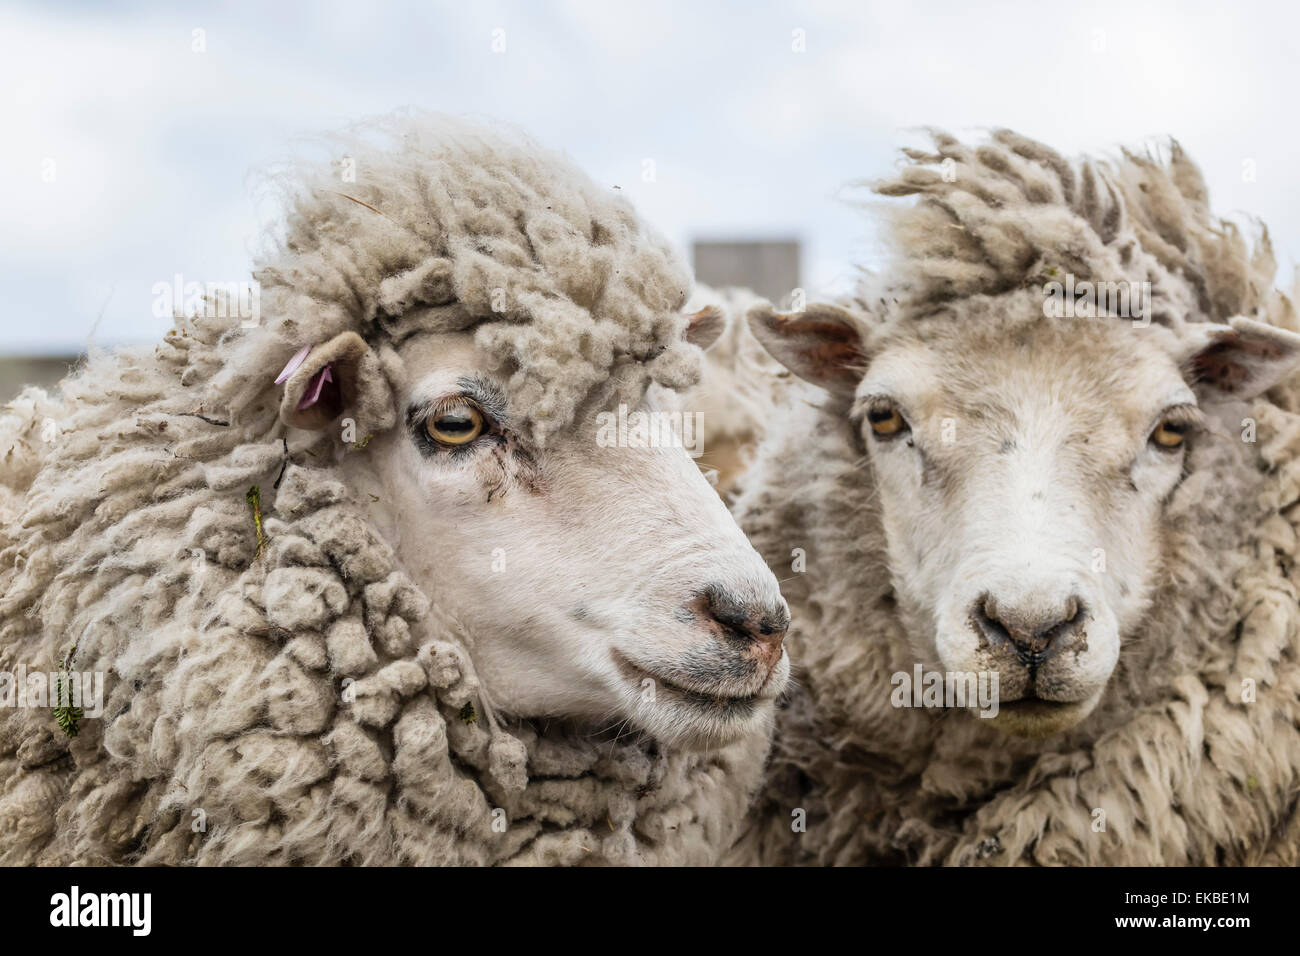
{"x": 770, "y": 268}
{"x": 19, "y": 370}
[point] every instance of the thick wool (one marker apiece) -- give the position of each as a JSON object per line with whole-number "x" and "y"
{"x": 1185, "y": 769}
{"x": 311, "y": 704}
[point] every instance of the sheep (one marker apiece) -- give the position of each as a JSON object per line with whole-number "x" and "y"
{"x": 740, "y": 387}
{"x": 1070, "y": 515}
{"x": 362, "y": 583}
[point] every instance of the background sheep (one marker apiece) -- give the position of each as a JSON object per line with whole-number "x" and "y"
{"x": 741, "y": 387}
{"x": 1099, "y": 510}
{"x": 321, "y": 608}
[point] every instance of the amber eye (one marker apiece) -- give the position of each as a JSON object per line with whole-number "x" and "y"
{"x": 886, "y": 421}
{"x": 458, "y": 425}
{"x": 1169, "y": 434}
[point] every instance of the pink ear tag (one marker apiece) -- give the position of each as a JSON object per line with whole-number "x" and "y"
{"x": 312, "y": 395}
{"x": 294, "y": 363}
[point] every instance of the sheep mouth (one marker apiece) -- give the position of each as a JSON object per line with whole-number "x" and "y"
{"x": 1034, "y": 717}
{"x": 717, "y": 702}
{"x": 1035, "y": 706}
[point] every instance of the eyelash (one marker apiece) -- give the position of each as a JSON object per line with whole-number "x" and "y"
{"x": 1187, "y": 421}
{"x": 417, "y": 420}
{"x": 881, "y": 412}
{"x": 1183, "y": 420}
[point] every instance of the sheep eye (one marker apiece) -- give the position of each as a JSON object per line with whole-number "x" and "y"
{"x": 457, "y": 425}
{"x": 886, "y": 421}
{"x": 1169, "y": 435}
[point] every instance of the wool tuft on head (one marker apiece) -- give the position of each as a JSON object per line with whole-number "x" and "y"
{"x": 1011, "y": 213}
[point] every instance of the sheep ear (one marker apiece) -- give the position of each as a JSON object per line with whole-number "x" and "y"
{"x": 823, "y": 344}
{"x": 1240, "y": 360}
{"x": 341, "y": 374}
{"x": 704, "y": 327}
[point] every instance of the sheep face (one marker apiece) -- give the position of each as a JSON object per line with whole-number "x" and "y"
{"x": 1022, "y": 474}
{"x": 607, "y": 584}
{"x": 1024, "y": 467}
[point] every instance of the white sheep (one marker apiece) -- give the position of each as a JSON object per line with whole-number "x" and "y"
{"x": 396, "y": 603}
{"x": 741, "y": 387}
{"x": 1052, "y": 450}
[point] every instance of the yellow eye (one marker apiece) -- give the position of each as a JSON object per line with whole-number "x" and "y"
{"x": 458, "y": 425}
{"x": 886, "y": 421}
{"x": 1169, "y": 434}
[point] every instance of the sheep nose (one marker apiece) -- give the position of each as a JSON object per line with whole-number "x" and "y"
{"x": 1035, "y": 634}
{"x": 759, "y": 623}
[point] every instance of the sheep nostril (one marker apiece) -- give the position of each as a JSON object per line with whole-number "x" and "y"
{"x": 1032, "y": 634}
{"x": 756, "y": 623}
{"x": 986, "y": 617}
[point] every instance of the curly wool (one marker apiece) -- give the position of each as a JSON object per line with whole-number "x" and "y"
{"x": 1012, "y": 213}
{"x": 1184, "y": 769}
{"x": 312, "y": 704}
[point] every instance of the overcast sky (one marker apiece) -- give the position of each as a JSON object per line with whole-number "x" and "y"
{"x": 152, "y": 142}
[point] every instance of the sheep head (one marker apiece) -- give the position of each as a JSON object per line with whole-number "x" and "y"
{"x": 595, "y": 580}
{"x": 1024, "y": 467}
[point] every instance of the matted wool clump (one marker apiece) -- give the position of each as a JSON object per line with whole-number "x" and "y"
{"x": 278, "y": 689}
{"x": 1012, "y": 214}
